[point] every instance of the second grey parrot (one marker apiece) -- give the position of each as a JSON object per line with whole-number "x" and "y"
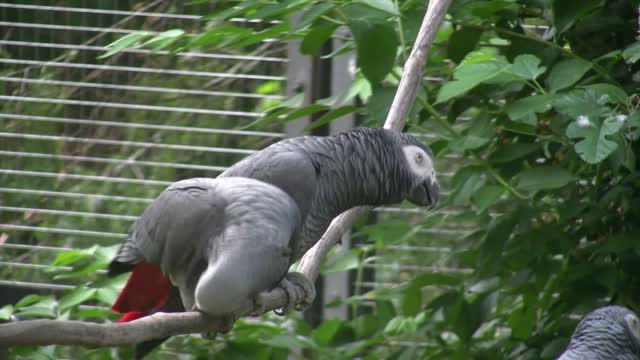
{"x": 608, "y": 333}
{"x": 324, "y": 176}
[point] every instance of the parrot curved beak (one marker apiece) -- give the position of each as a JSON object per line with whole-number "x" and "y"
{"x": 425, "y": 193}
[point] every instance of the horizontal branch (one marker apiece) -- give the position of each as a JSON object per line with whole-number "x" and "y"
{"x": 156, "y": 326}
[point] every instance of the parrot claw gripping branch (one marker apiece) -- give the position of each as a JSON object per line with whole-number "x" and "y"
{"x": 224, "y": 246}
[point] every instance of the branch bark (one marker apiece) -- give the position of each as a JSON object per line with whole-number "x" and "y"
{"x": 47, "y": 332}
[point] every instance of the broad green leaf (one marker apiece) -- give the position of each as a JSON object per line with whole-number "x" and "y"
{"x": 370, "y": 38}
{"x": 401, "y": 325}
{"x": 72, "y": 256}
{"x": 510, "y": 152}
{"x": 462, "y": 42}
{"x": 527, "y": 66}
{"x": 594, "y": 146}
{"x": 324, "y": 334}
{"x": 479, "y": 134}
{"x": 632, "y": 53}
{"x": 567, "y": 73}
{"x": 6, "y": 312}
{"x": 469, "y": 186}
{"x": 76, "y": 297}
{"x": 349, "y": 260}
{"x": 519, "y": 109}
{"x": 615, "y": 93}
{"x": 239, "y": 8}
{"x": 31, "y": 299}
{"x": 581, "y": 103}
{"x": 522, "y": 322}
{"x": 317, "y": 37}
{"x": 271, "y": 32}
{"x": 45, "y": 307}
{"x": 411, "y": 300}
{"x": 313, "y": 13}
{"x": 382, "y": 5}
{"x": 487, "y": 196}
{"x": 425, "y": 279}
{"x": 544, "y": 178}
{"x": 468, "y": 75}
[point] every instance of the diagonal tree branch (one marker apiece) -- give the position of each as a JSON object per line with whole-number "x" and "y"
{"x": 47, "y": 332}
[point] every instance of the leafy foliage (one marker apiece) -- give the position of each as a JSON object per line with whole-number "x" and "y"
{"x": 538, "y": 103}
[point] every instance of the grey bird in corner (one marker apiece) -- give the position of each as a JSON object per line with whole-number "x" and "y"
{"x": 324, "y": 176}
{"x": 608, "y": 333}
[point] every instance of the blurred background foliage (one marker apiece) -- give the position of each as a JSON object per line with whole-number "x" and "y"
{"x": 531, "y": 105}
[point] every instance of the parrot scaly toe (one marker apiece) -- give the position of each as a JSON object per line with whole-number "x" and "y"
{"x": 300, "y": 292}
{"x": 226, "y": 324}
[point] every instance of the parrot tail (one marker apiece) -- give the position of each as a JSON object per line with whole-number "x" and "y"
{"x": 147, "y": 289}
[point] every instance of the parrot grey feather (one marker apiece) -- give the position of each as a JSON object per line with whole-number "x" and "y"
{"x": 608, "y": 333}
{"x": 228, "y": 238}
{"x": 332, "y": 174}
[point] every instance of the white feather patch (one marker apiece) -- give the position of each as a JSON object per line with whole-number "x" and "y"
{"x": 419, "y": 162}
{"x": 634, "y": 325}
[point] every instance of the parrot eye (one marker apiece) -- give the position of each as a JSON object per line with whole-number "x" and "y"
{"x": 634, "y": 325}
{"x": 419, "y": 158}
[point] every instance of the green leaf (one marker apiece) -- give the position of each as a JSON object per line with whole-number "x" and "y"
{"x": 468, "y": 186}
{"x": 509, "y": 152}
{"x": 522, "y": 322}
{"x": 487, "y": 196}
{"x": 46, "y": 306}
{"x": 544, "y": 178}
{"x": 632, "y": 53}
{"x": 387, "y": 232}
{"x": 615, "y": 93}
{"x": 76, "y": 297}
{"x": 349, "y": 260}
{"x": 521, "y": 108}
{"x": 332, "y": 115}
{"x": 479, "y": 134}
{"x": 527, "y": 66}
{"x": 411, "y": 300}
{"x": 567, "y": 73}
{"x": 479, "y": 66}
{"x": 382, "y": 5}
{"x": 370, "y": 38}
{"x": 6, "y": 312}
{"x": 317, "y": 37}
{"x": 125, "y": 42}
{"x": 324, "y": 334}
{"x": 581, "y": 103}
{"x": 595, "y": 146}
{"x": 164, "y": 39}
{"x": 314, "y": 12}
{"x": 462, "y": 42}
{"x": 30, "y": 299}
{"x": 221, "y": 36}
{"x": 425, "y": 279}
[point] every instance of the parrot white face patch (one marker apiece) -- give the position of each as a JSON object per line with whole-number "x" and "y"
{"x": 419, "y": 162}
{"x": 634, "y": 325}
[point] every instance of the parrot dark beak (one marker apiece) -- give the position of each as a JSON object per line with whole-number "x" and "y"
{"x": 425, "y": 194}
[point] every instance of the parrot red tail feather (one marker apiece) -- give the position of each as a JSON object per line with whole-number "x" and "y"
{"x": 146, "y": 290}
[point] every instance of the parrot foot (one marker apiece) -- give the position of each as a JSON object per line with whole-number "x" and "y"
{"x": 226, "y": 324}
{"x": 300, "y": 292}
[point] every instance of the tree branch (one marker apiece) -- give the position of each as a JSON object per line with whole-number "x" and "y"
{"x": 47, "y": 332}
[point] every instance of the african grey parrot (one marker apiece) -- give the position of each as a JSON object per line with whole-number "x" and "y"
{"x": 608, "y": 333}
{"x": 324, "y": 176}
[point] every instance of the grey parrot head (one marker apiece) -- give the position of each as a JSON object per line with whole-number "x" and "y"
{"x": 611, "y": 332}
{"x": 418, "y": 165}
